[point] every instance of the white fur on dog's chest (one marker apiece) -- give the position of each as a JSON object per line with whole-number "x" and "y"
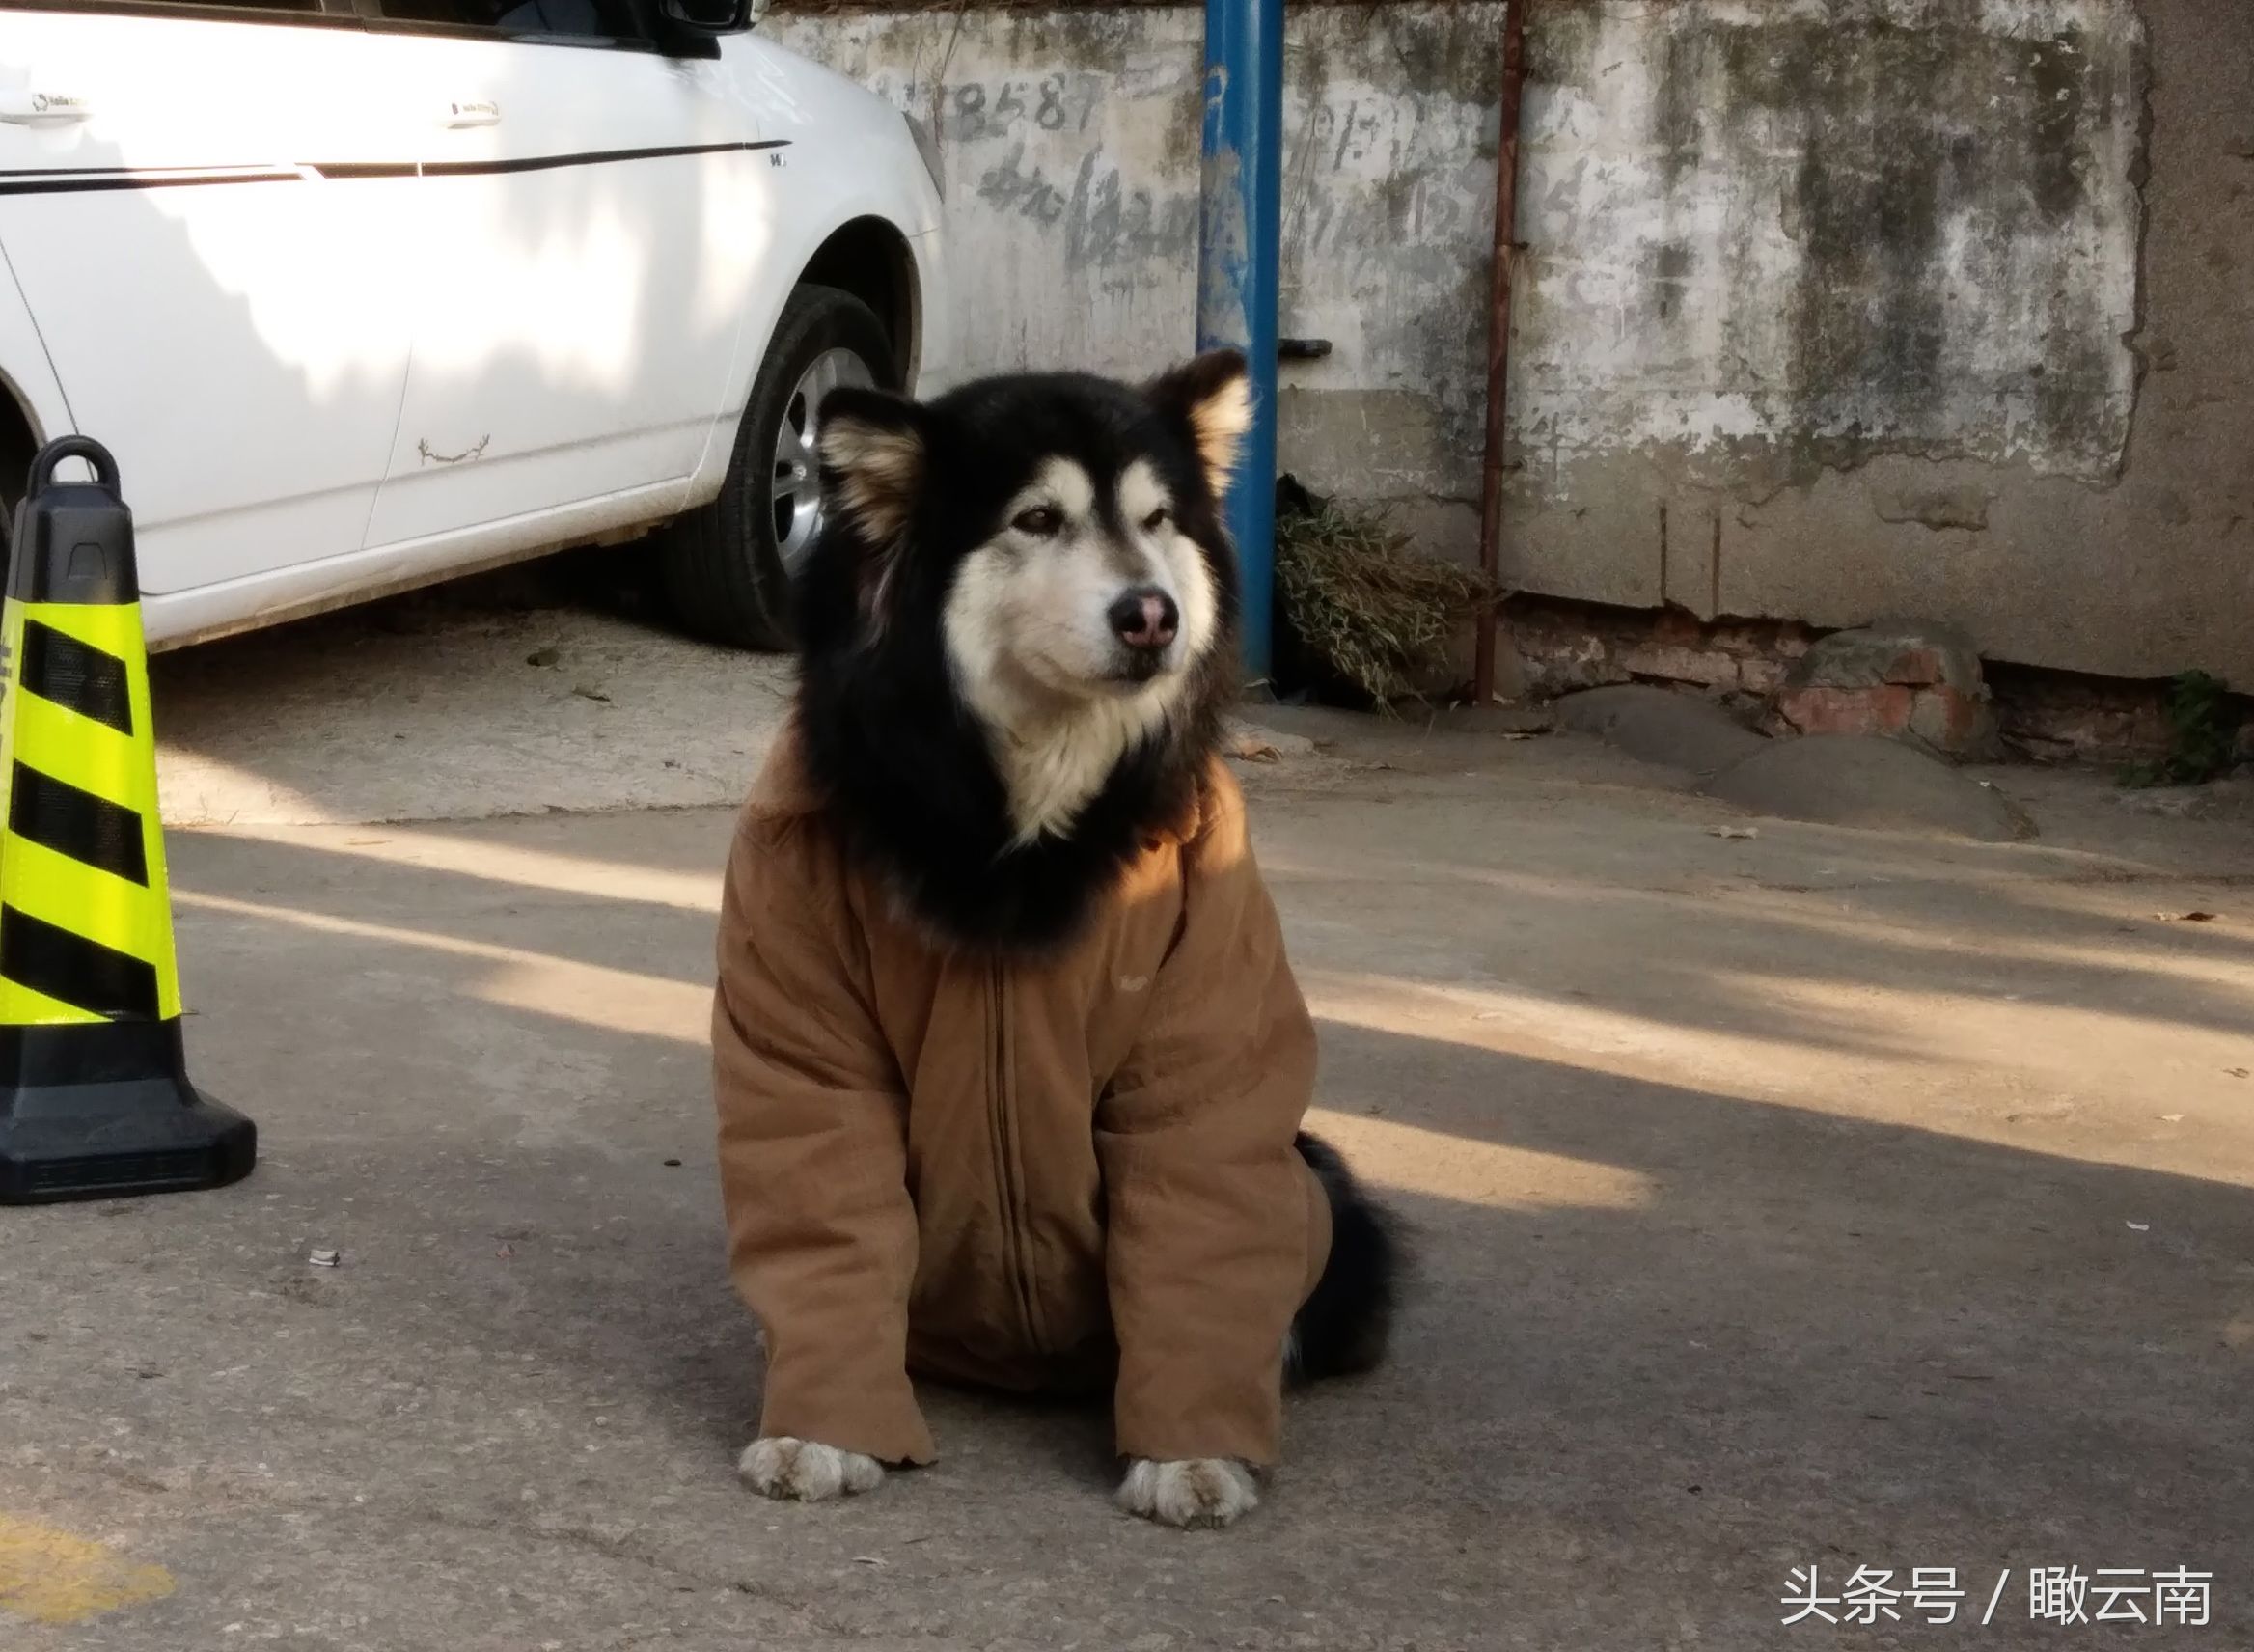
{"x": 1053, "y": 772}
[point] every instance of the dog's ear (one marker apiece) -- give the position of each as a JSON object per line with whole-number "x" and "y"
{"x": 874, "y": 453}
{"x": 1210, "y": 398}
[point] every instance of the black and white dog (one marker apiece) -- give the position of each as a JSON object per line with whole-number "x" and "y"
{"x": 1018, "y": 637}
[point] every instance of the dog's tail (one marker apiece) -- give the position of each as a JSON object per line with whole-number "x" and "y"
{"x": 1344, "y": 1326}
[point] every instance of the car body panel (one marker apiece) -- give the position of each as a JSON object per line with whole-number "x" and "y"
{"x": 228, "y": 322}
{"x": 401, "y": 344}
{"x": 26, "y": 374}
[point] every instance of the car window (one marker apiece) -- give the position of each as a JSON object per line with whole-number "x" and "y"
{"x": 570, "y": 19}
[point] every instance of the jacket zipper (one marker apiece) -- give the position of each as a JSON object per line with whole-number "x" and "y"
{"x": 999, "y": 1124}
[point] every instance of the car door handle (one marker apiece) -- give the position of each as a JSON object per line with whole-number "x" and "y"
{"x": 27, "y": 108}
{"x": 471, "y": 112}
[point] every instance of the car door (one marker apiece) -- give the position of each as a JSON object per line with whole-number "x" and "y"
{"x": 203, "y": 211}
{"x": 585, "y": 226}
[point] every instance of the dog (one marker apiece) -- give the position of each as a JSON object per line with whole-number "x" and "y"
{"x": 1010, "y": 1061}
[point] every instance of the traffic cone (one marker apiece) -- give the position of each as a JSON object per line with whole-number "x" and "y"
{"x": 95, "y": 1098}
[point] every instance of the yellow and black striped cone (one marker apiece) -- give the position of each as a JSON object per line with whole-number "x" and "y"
{"x": 95, "y": 1098}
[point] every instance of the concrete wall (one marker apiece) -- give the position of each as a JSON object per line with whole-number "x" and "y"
{"x": 1828, "y": 307}
{"x": 1071, "y": 149}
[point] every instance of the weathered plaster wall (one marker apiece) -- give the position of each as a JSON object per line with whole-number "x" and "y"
{"x": 1768, "y": 243}
{"x": 1071, "y": 148}
{"x": 1828, "y": 307}
{"x": 1878, "y": 305}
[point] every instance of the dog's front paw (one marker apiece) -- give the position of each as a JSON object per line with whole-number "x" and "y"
{"x": 806, "y": 1470}
{"x": 1200, "y": 1491}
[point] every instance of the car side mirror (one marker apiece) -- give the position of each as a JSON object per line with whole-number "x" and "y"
{"x": 692, "y": 28}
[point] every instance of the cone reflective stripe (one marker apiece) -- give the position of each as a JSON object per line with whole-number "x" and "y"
{"x": 94, "y": 1093}
{"x": 85, "y": 921}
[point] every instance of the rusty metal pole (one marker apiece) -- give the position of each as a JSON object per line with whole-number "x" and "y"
{"x": 1491, "y": 468}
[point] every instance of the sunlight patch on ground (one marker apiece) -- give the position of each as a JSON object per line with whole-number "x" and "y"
{"x": 618, "y": 1001}
{"x": 2145, "y": 939}
{"x": 612, "y": 1000}
{"x": 2060, "y": 1078}
{"x": 497, "y": 862}
{"x": 1411, "y": 1159}
{"x": 1495, "y": 1015}
{"x": 196, "y": 787}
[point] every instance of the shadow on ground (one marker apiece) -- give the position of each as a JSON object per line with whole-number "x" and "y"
{"x": 1672, "y": 1337}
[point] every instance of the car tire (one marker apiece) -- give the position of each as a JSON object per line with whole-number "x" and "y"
{"x": 725, "y": 566}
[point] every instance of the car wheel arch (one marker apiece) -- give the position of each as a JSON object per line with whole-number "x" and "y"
{"x": 869, "y": 257}
{"x": 21, "y": 440}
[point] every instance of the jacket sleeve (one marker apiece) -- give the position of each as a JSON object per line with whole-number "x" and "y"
{"x": 1215, "y": 1229}
{"x": 813, "y": 1149}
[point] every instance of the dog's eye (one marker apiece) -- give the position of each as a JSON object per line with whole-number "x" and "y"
{"x": 1156, "y": 520}
{"x": 1042, "y": 521}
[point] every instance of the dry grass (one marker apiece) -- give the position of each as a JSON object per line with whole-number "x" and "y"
{"x": 1366, "y": 603}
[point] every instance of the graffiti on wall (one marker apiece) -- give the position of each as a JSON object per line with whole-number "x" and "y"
{"x": 1071, "y": 152}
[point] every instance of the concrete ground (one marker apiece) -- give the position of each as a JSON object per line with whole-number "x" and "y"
{"x": 1818, "y": 1197}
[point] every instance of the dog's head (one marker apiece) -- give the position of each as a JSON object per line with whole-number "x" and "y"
{"x": 1063, "y": 531}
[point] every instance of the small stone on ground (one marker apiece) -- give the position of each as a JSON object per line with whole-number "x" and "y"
{"x": 1253, "y": 743}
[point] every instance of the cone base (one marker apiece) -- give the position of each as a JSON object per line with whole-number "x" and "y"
{"x": 105, "y": 1111}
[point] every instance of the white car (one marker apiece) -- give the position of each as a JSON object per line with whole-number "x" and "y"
{"x": 365, "y": 293}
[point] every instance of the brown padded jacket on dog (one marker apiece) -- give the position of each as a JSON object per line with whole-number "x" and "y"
{"x": 1031, "y": 1174}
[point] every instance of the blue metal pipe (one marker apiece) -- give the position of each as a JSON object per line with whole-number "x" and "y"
{"x": 1238, "y": 269}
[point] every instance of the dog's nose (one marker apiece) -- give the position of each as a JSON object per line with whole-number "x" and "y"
{"x": 1145, "y": 617}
